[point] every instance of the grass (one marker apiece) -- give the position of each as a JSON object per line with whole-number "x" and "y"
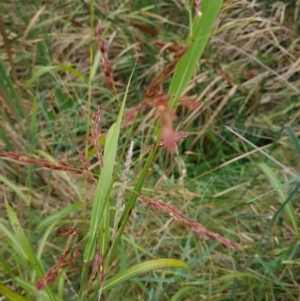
{"x": 237, "y": 172}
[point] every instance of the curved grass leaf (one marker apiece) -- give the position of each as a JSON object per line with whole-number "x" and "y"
{"x": 143, "y": 268}
{"x": 187, "y": 290}
{"x": 46, "y": 69}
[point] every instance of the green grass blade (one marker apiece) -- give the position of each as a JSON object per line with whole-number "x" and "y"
{"x": 50, "y": 222}
{"x": 187, "y": 290}
{"x": 37, "y": 268}
{"x": 4, "y": 137}
{"x": 48, "y": 69}
{"x": 200, "y": 33}
{"x": 9, "y": 93}
{"x": 102, "y": 191}
{"x": 130, "y": 205}
{"x": 34, "y": 125}
{"x": 105, "y": 180}
{"x": 282, "y": 195}
{"x": 13, "y": 241}
{"x": 143, "y": 267}
{"x": 15, "y": 188}
{"x": 294, "y": 138}
{"x": 59, "y": 216}
{"x": 31, "y": 289}
{"x": 9, "y": 294}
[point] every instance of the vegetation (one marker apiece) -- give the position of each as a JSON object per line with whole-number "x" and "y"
{"x": 123, "y": 140}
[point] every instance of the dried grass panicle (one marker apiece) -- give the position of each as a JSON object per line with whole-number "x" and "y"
{"x": 145, "y": 28}
{"x": 74, "y": 256}
{"x": 178, "y": 136}
{"x": 124, "y": 179}
{"x": 47, "y": 279}
{"x": 124, "y": 176}
{"x": 159, "y": 79}
{"x": 88, "y": 173}
{"x": 105, "y": 62}
{"x": 98, "y": 265}
{"x": 153, "y": 98}
{"x": 159, "y": 101}
{"x": 197, "y": 7}
{"x": 101, "y": 269}
{"x": 96, "y": 132}
{"x": 168, "y": 134}
{"x": 62, "y": 260}
{"x": 169, "y": 46}
{"x": 63, "y": 166}
{"x": 188, "y": 103}
{"x": 53, "y": 271}
{"x": 180, "y": 217}
{"x": 67, "y": 231}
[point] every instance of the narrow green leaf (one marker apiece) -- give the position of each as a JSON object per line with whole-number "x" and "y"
{"x": 31, "y": 289}
{"x": 13, "y": 241}
{"x": 282, "y": 195}
{"x": 46, "y": 69}
{"x": 9, "y": 294}
{"x": 239, "y": 275}
{"x": 15, "y": 188}
{"x": 10, "y": 94}
{"x": 294, "y": 138}
{"x": 50, "y": 222}
{"x": 200, "y": 33}
{"x": 105, "y": 180}
{"x": 141, "y": 268}
{"x": 5, "y": 139}
{"x": 58, "y": 216}
{"x": 95, "y": 65}
{"x": 184, "y": 291}
{"x": 37, "y": 268}
{"x": 23, "y": 241}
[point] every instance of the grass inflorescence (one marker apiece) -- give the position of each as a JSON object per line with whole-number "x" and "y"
{"x": 121, "y": 139}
